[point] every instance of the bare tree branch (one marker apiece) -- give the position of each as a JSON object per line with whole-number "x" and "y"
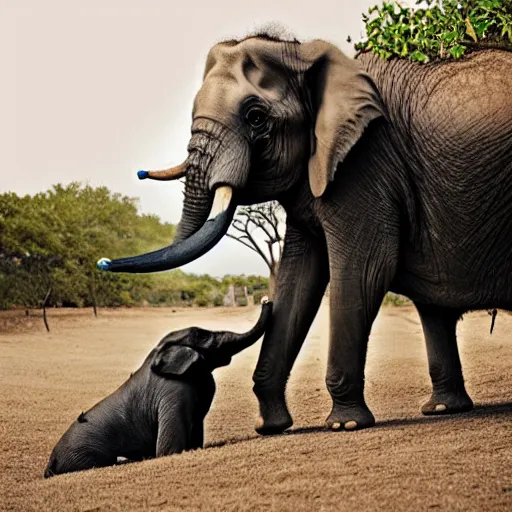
{"x": 258, "y": 249}
{"x": 263, "y": 219}
{"x": 272, "y": 220}
{"x": 265, "y": 216}
{"x": 271, "y": 252}
{"x": 264, "y": 228}
{"x": 240, "y": 239}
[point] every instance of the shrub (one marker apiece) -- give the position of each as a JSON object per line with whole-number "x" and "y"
{"x": 241, "y": 301}
{"x": 445, "y": 30}
{"x": 258, "y": 296}
{"x": 202, "y": 302}
{"x": 51, "y": 241}
{"x": 394, "y": 299}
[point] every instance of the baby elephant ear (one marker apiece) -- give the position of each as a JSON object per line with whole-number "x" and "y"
{"x": 174, "y": 360}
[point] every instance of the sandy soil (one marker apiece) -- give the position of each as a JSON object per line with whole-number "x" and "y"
{"x": 406, "y": 462}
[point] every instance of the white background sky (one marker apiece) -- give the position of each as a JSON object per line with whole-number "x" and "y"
{"x": 95, "y": 90}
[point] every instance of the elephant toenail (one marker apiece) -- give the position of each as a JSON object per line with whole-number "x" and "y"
{"x": 440, "y": 407}
{"x": 336, "y": 425}
{"x": 259, "y": 422}
{"x": 350, "y": 425}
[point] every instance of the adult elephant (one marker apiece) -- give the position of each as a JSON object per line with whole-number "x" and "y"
{"x": 394, "y": 176}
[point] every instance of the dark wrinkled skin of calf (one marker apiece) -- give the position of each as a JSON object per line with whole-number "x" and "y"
{"x": 160, "y": 409}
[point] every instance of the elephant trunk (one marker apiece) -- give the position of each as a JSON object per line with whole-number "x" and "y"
{"x": 232, "y": 343}
{"x": 197, "y": 201}
{"x": 183, "y": 251}
{"x": 218, "y": 162}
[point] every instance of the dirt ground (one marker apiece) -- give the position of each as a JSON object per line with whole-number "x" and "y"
{"x": 407, "y": 462}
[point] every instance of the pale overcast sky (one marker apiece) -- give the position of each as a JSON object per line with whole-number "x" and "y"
{"x": 95, "y": 90}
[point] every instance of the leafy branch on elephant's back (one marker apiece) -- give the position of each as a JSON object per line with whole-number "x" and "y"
{"x": 443, "y": 30}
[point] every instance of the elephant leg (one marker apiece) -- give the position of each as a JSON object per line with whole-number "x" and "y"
{"x": 175, "y": 422}
{"x": 302, "y": 279}
{"x": 449, "y": 393}
{"x": 205, "y": 393}
{"x": 356, "y": 292}
{"x": 197, "y": 437}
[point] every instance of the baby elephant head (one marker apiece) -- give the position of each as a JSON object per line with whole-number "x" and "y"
{"x": 192, "y": 350}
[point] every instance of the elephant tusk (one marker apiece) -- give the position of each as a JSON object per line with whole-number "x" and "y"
{"x": 221, "y": 201}
{"x": 165, "y": 174}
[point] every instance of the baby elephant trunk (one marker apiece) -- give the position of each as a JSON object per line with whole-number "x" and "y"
{"x": 231, "y": 343}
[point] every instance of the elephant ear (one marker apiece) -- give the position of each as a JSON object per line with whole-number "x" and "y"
{"x": 174, "y": 360}
{"x": 344, "y": 100}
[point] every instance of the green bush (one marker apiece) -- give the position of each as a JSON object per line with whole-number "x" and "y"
{"x": 252, "y": 282}
{"x": 258, "y": 296}
{"x": 394, "y": 299}
{"x": 52, "y": 240}
{"x": 202, "y": 302}
{"x": 241, "y": 301}
{"x": 445, "y": 30}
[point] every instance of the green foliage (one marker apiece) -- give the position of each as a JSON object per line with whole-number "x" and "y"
{"x": 258, "y": 296}
{"x": 393, "y": 299}
{"x": 217, "y": 300}
{"x": 253, "y": 283}
{"x": 444, "y": 30}
{"x": 53, "y": 240}
{"x": 241, "y": 301}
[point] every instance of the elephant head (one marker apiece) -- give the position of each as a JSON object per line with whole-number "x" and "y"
{"x": 269, "y": 114}
{"x": 194, "y": 349}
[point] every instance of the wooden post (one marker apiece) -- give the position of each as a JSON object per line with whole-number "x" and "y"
{"x": 45, "y": 302}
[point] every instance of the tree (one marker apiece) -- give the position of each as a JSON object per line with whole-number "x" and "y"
{"x": 261, "y": 229}
{"x": 50, "y": 242}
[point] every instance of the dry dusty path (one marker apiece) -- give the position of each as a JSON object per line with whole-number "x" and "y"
{"x": 407, "y": 462}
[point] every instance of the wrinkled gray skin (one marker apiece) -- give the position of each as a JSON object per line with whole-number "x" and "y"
{"x": 394, "y": 176}
{"x": 160, "y": 409}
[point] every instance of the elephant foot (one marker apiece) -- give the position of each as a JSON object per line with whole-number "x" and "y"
{"x": 447, "y": 403}
{"x": 273, "y": 425}
{"x": 350, "y": 418}
{"x": 274, "y": 416}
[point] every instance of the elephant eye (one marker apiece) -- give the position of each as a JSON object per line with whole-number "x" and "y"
{"x": 256, "y": 117}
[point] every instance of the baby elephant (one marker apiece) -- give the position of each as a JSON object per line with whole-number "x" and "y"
{"x": 160, "y": 409}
